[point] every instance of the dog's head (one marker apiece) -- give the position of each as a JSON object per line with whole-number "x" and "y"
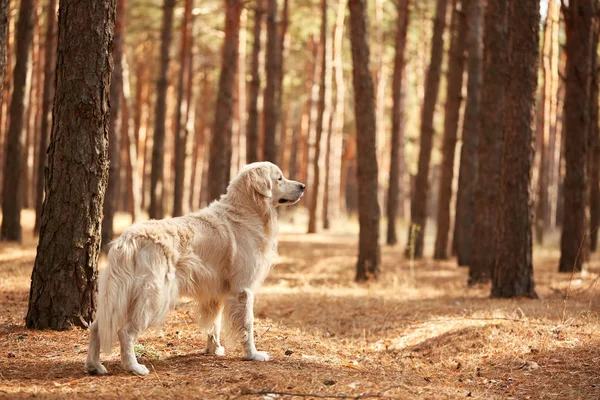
{"x": 266, "y": 181}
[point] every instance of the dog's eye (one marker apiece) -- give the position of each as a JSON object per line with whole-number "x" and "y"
{"x": 280, "y": 178}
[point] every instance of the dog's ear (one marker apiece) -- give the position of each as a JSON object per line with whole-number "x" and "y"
{"x": 259, "y": 180}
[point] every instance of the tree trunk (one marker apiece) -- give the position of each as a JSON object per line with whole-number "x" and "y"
{"x": 545, "y": 126}
{"x": 513, "y": 271}
{"x": 468, "y": 155}
{"x": 489, "y": 145}
{"x": 114, "y": 128}
{"x": 220, "y": 145}
{"x": 552, "y": 117}
{"x": 180, "y": 133}
{"x": 6, "y": 85}
{"x": 47, "y": 99}
{"x": 594, "y": 146}
{"x": 12, "y": 200}
{"x": 419, "y": 200}
{"x": 271, "y": 108}
{"x": 397, "y": 141}
{"x": 131, "y": 151}
{"x": 330, "y": 116}
{"x": 578, "y": 19}
{"x": 63, "y": 283}
{"x": 369, "y": 255}
{"x": 321, "y": 117}
{"x": 252, "y": 129}
{"x": 160, "y": 114}
{"x": 241, "y": 90}
{"x": 456, "y": 64}
{"x": 338, "y": 112}
{"x": 559, "y": 155}
{"x": 4, "y": 8}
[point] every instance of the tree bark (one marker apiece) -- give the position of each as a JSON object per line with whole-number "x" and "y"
{"x": 369, "y": 255}
{"x": 252, "y": 129}
{"x": 160, "y": 114}
{"x": 578, "y": 19}
{"x": 594, "y": 145}
{"x": 272, "y": 108}
{"x": 47, "y": 98}
{"x": 489, "y": 146}
{"x": 220, "y": 145}
{"x": 321, "y": 117}
{"x": 397, "y": 135}
{"x": 4, "y": 8}
{"x": 419, "y": 200}
{"x": 131, "y": 150}
{"x": 468, "y": 156}
{"x": 552, "y": 117}
{"x": 456, "y": 65}
{"x": 12, "y": 199}
{"x": 64, "y": 279}
{"x": 180, "y": 133}
{"x": 546, "y": 122}
{"x": 114, "y": 128}
{"x": 513, "y": 270}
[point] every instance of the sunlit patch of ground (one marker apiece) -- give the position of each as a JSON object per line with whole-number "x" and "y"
{"x": 424, "y": 335}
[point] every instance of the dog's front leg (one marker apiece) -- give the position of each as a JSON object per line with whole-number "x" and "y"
{"x": 241, "y": 312}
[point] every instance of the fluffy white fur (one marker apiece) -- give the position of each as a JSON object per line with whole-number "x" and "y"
{"x": 218, "y": 256}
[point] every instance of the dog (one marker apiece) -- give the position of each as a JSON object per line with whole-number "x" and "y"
{"x": 218, "y": 256}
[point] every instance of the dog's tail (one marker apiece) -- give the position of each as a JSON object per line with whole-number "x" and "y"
{"x": 113, "y": 291}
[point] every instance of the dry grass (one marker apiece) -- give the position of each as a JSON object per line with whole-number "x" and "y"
{"x": 431, "y": 338}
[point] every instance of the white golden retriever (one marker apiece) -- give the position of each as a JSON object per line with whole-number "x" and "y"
{"x": 218, "y": 256}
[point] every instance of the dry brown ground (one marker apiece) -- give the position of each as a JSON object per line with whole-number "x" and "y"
{"x": 427, "y": 337}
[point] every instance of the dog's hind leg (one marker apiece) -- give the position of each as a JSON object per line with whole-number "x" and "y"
{"x": 240, "y": 309}
{"x": 213, "y": 341}
{"x": 128, "y": 334}
{"x": 93, "y": 366}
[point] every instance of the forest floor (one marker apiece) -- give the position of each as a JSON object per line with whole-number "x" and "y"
{"x": 421, "y": 335}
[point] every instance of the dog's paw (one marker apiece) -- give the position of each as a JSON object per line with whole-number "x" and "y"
{"x": 98, "y": 369}
{"x": 218, "y": 351}
{"x": 258, "y": 356}
{"x": 138, "y": 369}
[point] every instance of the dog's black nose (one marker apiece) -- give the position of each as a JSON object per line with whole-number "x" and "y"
{"x": 302, "y": 186}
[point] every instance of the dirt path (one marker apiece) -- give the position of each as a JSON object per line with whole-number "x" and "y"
{"x": 427, "y": 337}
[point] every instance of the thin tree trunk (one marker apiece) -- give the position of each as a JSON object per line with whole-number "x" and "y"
{"x": 241, "y": 90}
{"x": 47, "y": 98}
{"x": 160, "y": 114}
{"x": 131, "y": 151}
{"x": 543, "y": 136}
{"x": 594, "y": 145}
{"x": 338, "y": 112}
{"x": 468, "y": 156}
{"x": 513, "y": 271}
{"x": 369, "y": 255}
{"x": 4, "y": 8}
{"x": 219, "y": 166}
{"x": 419, "y": 200}
{"x": 6, "y": 82}
{"x": 180, "y": 133}
{"x": 252, "y": 129}
{"x": 456, "y": 66}
{"x": 272, "y": 108}
{"x": 559, "y": 155}
{"x": 114, "y": 128}
{"x": 12, "y": 200}
{"x": 321, "y": 117}
{"x": 397, "y": 136}
{"x": 64, "y": 279}
{"x": 552, "y": 121}
{"x": 579, "y": 23}
{"x": 30, "y": 106}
